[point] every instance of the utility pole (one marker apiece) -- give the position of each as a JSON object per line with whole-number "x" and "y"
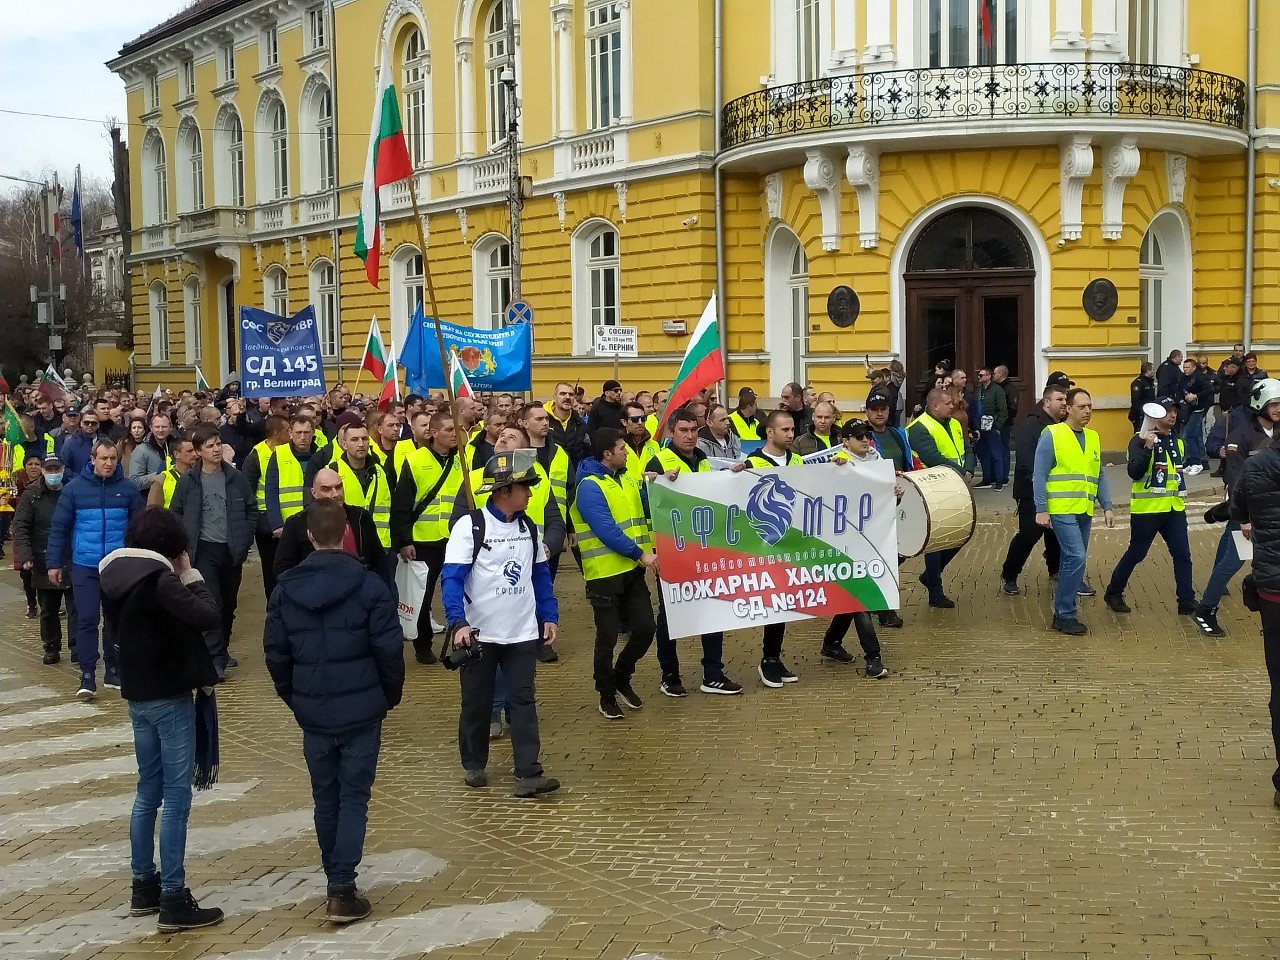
{"x": 46, "y": 299}
{"x": 515, "y": 198}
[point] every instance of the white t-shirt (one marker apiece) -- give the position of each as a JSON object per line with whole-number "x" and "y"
{"x": 499, "y": 591}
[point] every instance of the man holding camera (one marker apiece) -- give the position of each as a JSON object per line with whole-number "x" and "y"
{"x": 493, "y": 555}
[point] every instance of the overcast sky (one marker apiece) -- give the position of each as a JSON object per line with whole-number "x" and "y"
{"x": 51, "y": 62}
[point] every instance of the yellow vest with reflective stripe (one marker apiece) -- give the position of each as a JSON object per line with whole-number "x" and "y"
{"x": 169, "y": 483}
{"x": 263, "y": 450}
{"x": 539, "y": 495}
{"x": 651, "y": 424}
{"x": 1169, "y": 498}
{"x": 377, "y": 499}
{"x": 627, "y": 510}
{"x": 672, "y": 461}
{"x": 559, "y": 477}
{"x": 950, "y": 444}
{"x": 762, "y": 459}
{"x": 637, "y": 463}
{"x": 290, "y": 479}
{"x": 400, "y": 453}
{"x": 744, "y": 429}
{"x": 1072, "y": 484}
{"x": 433, "y": 524}
{"x": 20, "y": 452}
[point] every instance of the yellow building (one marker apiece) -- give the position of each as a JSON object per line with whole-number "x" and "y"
{"x": 967, "y": 168}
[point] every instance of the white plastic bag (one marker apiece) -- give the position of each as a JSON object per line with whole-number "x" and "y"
{"x": 411, "y": 584}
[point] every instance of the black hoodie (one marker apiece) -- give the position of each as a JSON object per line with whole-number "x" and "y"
{"x": 1025, "y": 440}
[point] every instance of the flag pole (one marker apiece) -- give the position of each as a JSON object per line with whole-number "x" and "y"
{"x": 444, "y": 358}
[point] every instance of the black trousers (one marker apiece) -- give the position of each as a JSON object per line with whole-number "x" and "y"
{"x": 518, "y": 662}
{"x": 838, "y": 629}
{"x": 773, "y": 635}
{"x": 432, "y": 553}
{"x": 50, "y": 603}
{"x": 1271, "y": 652}
{"x": 1025, "y": 540}
{"x": 222, "y": 577}
{"x": 28, "y": 586}
{"x": 267, "y": 554}
{"x": 610, "y": 597}
{"x": 669, "y": 658}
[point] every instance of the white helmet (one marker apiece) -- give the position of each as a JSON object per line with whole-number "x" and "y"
{"x": 1263, "y": 392}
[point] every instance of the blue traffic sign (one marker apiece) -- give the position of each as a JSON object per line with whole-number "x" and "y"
{"x": 519, "y": 312}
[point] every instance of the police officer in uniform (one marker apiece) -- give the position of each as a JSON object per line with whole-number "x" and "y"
{"x": 937, "y": 439}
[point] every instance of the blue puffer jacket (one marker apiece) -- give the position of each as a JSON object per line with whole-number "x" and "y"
{"x": 333, "y": 644}
{"x": 92, "y": 517}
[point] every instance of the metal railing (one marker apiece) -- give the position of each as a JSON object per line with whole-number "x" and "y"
{"x": 1001, "y": 92}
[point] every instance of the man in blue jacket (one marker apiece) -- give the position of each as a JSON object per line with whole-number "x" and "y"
{"x": 90, "y": 521}
{"x": 77, "y": 448}
{"x": 336, "y": 656}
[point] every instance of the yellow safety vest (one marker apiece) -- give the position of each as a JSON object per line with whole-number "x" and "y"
{"x": 673, "y": 461}
{"x": 559, "y": 477}
{"x": 263, "y": 450}
{"x": 627, "y": 510}
{"x": 433, "y": 523}
{"x": 290, "y": 478}
{"x": 1072, "y": 484}
{"x": 377, "y": 499}
{"x": 400, "y": 453}
{"x": 1145, "y": 498}
{"x": 169, "y": 483}
{"x": 651, "y": 424}
{"x": 743, "y": 428}
{"x": 540, "y": 495}
{"x": 638, "y": 463}
{"x": 950, "y": 444}
{"x": 20, "y": 452}
{"x": 761, "y": 459}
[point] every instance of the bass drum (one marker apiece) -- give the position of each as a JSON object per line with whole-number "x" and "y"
{"x": 936, "y": 512}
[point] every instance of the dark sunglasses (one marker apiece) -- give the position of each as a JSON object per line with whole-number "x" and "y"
{"x": 88, "y": 423}
{"x": 636, "y": 419}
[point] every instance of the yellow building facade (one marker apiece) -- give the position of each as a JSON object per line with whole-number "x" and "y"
{"x": 967, "y": 170}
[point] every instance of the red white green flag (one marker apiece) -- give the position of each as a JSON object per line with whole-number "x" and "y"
{"x": 201, "y": 382}
{"x": 458, "y": 379}
{"x": 388, "y": 162}
{"x": 375, "y": 358}
{"x": 390, "y": 385}
{"x": 987, "y": 15}
{"x": 703, "y": 363}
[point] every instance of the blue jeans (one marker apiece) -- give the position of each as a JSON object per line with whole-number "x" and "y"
{"x": 342, "y": 768}
{"x": 1072, "y": 531}
{"x": 1143, "y": 530}
{"x": 1225, "y": 566}
{"x": 1193, "y": 438}
{"x": 991, "y": 455}
{"x": 84, "y": 586}
{"x": 164, "y": 741}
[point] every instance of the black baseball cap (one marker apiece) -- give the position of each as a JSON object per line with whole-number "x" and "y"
{"x": 855, "y": 428}
{"x": 746, "y": 395}
{"x": 1059, "y": 379}
{"x": 1169, "y": 403}
{"x": 610, "y": 385}
{"x": 878, "y": 399}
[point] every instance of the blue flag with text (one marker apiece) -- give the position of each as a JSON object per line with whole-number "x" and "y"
{"x": 493, "y": 360}
{"x": 280, "y": 356}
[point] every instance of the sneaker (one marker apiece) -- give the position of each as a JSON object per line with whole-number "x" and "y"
{"x": 436, "y": 625}
{"x": 672, "y": 687}
{"x": 836, "y": 652}
{"x": 998, "y": 486}
{"x": 1086, "y": 590}
{"x": 983, "y": 483}
{"x": 723, "y": 686}
{"x": 627, "y": 695}
{"x": 52, "y": 657}
{"x": 535, "y": 786}
{"x": 1207, "y": 620}
{"x": 232, "y": 662}
{"x": 146, "y": 897}
{"x": 609, "y": 708}
{"x": 876, "y": 669}
{"x": 547, "y": 654}
{"x": 111, "y": 680}
{"x": 1186, "y": 609}
{"x": 1116, "y": 602}
{"x": 1072, "y": 628}
{"x": 476, "y": 778}
{"x": 771, "y": 673}
{"x": 787, "y": 675}
{"x": 88, "y": 686}
{"x": 346, "y": 906}
{"x": 1011, "y": 588}
{"x": 179, "y": 911}
{"x": 32, "y": 613}
{"x": 942, "y": 602}
{"x": 495, "y": 727}
{"x": 1194, "y": 469}
{"x": 424, "y": 655}
{"x": 892, "y": 619}
{"x": 1216, "y": 473}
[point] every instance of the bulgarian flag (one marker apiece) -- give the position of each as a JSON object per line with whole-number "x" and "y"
{"x": 702, "y": 366}
{"x": 390, "y": 385}
{"x": 201, "y": 382}
{"x": 375, "y": 358}
{"x": 987, "y": 16}
{"x": 388, "y": 162}
{"x": 458, "y": 379}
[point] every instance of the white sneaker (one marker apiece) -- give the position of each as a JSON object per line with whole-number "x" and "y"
{"x": 1194, "y": 469}
{"x": 436, "y": 626}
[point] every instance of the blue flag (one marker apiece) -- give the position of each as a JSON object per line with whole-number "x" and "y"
{"x": 280, "y": 356}
{"x": 493, "y": 360}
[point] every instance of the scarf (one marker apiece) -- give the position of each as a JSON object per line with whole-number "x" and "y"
{"x": 206, "y": 766}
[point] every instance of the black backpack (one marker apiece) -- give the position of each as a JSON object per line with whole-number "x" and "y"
{"x": 477, "y": 533}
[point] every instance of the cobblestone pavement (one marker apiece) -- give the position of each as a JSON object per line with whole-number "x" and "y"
{"x": 1005, "y": 792}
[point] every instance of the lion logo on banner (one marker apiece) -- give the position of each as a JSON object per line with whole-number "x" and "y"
{"x": 770, "y": 505}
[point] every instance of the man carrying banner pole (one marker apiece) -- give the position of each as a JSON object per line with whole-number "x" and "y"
{"x": 684, "y": 456}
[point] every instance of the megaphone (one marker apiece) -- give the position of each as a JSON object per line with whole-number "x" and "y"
{"x": 1151, "y": 413}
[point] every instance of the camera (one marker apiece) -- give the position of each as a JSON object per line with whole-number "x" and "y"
{"x": 455, "y": 658}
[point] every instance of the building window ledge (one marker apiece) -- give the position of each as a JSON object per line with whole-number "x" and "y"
{"x": 228, "y": 89}
{"x": 314, "y": 58}
{"x": 186, "y": 103}
{"x": 268, "y": 77}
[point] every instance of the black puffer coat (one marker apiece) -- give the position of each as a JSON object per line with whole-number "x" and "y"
{"x": 1256, "y": 500}
{"x": 31, "y": 522}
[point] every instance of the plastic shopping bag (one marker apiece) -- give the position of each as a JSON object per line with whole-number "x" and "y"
{"x": 411, "y": 584}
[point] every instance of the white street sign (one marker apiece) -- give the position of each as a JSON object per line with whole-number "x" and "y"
{"x": 617, "y": 342}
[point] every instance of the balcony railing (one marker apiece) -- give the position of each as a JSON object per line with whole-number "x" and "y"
{"x": 317, "y": 209}
{"x": 213, "y": 225}
{"x": 273, "y": 217}
{"x": 155, "y": 238}
{"x": 1002, "y": 92}
{"x": 594, "y": 153}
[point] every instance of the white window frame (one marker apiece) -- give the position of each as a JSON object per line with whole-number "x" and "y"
{"x": 275, "y": 291}
{"x": 408, "y": 289}
{"x": 414, "y": 74}
{"x": 1155, "y": 31}
{"x": 491, "y": 281}
{"x": 191, "y": 168}
{"x": 187, "y": 74}
{"x": 272, "y": 150}
{"x": 783, "y": 288}
{"x": 317, "y": 29}
{"x": 153, "y": 91}
{"x": 228, "y": 62}
{"x": 496, "y": 59}
{"x": 808, "y": 37}
{"x": 269, "y": 43}
{"x": 155, "y": 193}
{"x": 595, "y": 274}
{"x": 327, "y": 138}
{"x": 798, "y": 300}
{"x": 159, "y": 297}
{"x": 1010, "y": 41}
{"x": 317, "y": 139}
{"x": 191, "y": 318}
{"x": 324, "y": 297}
{"x": 235, "y": 160}
{"x": 605, "y": 64}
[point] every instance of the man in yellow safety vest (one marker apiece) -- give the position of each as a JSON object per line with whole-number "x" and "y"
{"x": 255, "y": 471}
{"x": 364, "y": 482}
{"x": 184, "y": 458}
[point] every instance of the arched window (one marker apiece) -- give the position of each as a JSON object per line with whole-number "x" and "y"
{"x": 597, "y": 281}
{"x": 496, "y": 59}
{"x": 968, "y": 239}
{"x": 491, "y": 270}
{"x": 415, "y": 70}
{"x": 406, "y": 289}
{"x": 1164, "y": 286}
{"x": 272, "y": 142}
{"x": 963, "y": 33}
{"x": 324, "y": 124}
{"x": 228, "y": 164}
{"x": 159, "y": 323}
{"x": 191, "y": 318}
{"x": 155, "y": 191}
{"x": 190, "y": 168}
{"x": 317, "y": 138}
{"x": 275, "y": 292}
{"x": 786, "y": 308}
{"x": 324, "y": 297}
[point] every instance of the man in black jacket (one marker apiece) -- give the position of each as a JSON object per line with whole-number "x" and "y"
{"x": 606, "y": 411}
{"x": 335, "y": 653}
{"x": 1195, "y": 394}
{"x": 1169, "y": 374}
{"x": 1141, "y": 392}
{"x": 361, "y": 539}
{"x": 217, "y": 506}
{"x": 1052, "y": 409}
{"x": 567, "y": 427}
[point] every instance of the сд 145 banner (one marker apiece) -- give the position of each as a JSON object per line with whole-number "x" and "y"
{"x": 280, "y": 356}
{"x": 773, "y": 545}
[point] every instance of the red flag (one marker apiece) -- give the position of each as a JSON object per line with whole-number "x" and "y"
{"x": 987, "y": 12}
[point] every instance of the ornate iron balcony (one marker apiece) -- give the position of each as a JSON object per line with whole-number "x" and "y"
{"x": 994, "y": 93}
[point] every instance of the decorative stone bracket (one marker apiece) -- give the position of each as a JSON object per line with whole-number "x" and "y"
{"x": 1074, "y": 168}
{"x": 862, "y": 169}
{"x": 773, "y": 196}
{"x": 559, "y": 198}
{"x": 821, "y": 176}
{"x": 1175, "y": 168}
{"x": 1122, "y": 162}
